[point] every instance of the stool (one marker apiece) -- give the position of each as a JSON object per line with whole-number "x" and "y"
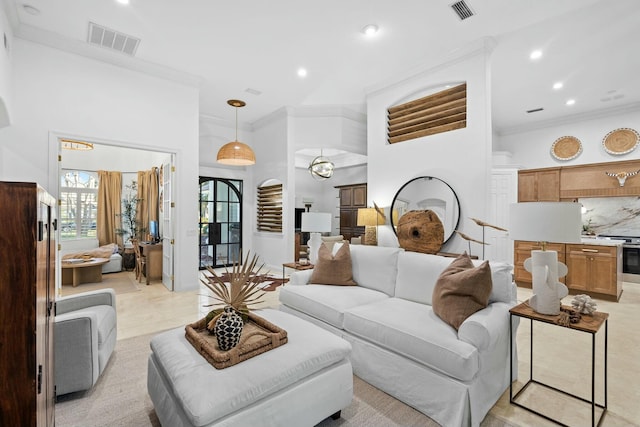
{"x": 299, "y": 383}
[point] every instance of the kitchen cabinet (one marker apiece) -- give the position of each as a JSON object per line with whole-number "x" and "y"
{"x": 352, "y": 198}
{"x": 539, "y": 185}
{"x": 522, "y": 251}
{"x": 595, "y": 270}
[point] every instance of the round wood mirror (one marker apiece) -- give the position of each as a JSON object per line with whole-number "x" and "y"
{"x": 427, "y": 192}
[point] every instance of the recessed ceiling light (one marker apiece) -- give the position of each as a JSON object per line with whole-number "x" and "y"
{"x": 570, "y": 101}
{"x": 558, "y": 85}
{"x": 31, "y": 10}
{"x": 370, "y": 30}
{"x": 302, "y": 72}
{"x": 123, "y": 1}
{"x": 536, "y": 54}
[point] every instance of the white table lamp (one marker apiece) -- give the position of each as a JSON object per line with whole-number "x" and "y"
{"x": 544, "y": 222}
{"x": 315, "y": 223}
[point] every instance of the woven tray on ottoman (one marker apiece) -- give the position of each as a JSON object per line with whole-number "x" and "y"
{"x": 258, "y": 336}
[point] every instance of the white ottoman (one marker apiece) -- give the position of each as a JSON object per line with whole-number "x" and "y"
{"x": 297, "y": 384}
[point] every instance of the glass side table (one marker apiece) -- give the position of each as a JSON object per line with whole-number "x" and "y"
{"x": 589, "y": 324}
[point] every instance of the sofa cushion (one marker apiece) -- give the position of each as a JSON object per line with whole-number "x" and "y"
{"x": 502, "y": 289}
{"x": 333, "y": 269}
{"x": 330, "y": 241}
{"x": 461, "y": 290}
{"x": 417, "y": 275}
{"x": 375, "y": 267}
{"x": 327, "y": 303}
{"x": 414, "y": 331}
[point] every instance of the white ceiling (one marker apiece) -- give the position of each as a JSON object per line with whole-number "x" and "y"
{"x": 227, "y": 47}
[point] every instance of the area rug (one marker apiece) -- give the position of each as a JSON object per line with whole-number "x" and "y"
{"x": 122, "y": 282}
{"x": 120, "y": 398}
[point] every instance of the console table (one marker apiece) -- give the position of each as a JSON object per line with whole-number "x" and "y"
{"x": 588, "y": 323}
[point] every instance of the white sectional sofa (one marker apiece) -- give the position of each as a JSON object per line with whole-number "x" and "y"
{"x": 81, "y": 246}
{"x": 400, "y": 345}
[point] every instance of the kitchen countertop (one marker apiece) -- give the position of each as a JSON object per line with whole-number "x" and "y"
{"x": 602, "y": 242}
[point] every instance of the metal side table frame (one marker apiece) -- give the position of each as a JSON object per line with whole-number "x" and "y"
{"x": 589, "y": 324}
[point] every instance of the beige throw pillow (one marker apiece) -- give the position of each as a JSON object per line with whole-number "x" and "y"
{"x": 461, "y": 290}
{"x": 333, "y": 269}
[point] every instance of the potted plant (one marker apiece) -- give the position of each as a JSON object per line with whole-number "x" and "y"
{"x": 130, "y": 226}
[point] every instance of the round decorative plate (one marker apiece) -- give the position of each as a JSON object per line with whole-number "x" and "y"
{"x": 566, "y": 148}
{"x": 621, "y": 141}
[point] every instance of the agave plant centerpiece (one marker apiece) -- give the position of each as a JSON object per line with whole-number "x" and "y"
{"x": 236, "y": 293}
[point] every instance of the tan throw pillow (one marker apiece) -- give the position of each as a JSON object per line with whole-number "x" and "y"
{"x": 333, "y": 269}
{"x": 461, "y": 290}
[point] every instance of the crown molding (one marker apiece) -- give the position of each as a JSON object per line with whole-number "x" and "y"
{"x": 81, "y": 48}
{"x": 482, "y": 46}
{"x": 573, "y": 118}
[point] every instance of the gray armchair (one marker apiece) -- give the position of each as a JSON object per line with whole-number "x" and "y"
{"x": 85, "y": 333}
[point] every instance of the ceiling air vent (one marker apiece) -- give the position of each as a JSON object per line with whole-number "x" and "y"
{"x": 535, "y": 110}
{"x": 110, "y": 39}
{"x": 462, "y": 10}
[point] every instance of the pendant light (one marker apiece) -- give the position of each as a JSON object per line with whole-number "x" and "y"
{"x": 236, "y": 153}
{"x": 321, "y": 168}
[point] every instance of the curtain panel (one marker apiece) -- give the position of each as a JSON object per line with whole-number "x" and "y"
{"x": 109, "y": 207}
{"x": 148, "y": 190}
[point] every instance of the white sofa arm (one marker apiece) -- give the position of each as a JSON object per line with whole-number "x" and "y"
{"x": 85, "y": 300}
{"x": 301, "y": 277}
{"x": 483, "y": 328}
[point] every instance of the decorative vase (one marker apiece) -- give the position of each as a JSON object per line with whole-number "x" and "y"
{"x": 228, "y": 329}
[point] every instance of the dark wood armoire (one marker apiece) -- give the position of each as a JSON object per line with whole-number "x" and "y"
{"x": 27, "y": 295}
{"x": 352, "y": 198}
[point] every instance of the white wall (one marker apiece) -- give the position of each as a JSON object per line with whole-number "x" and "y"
{"x": 532, "y": 148}
{"x": 461, "y": 158}
{"x": 274, "y": 164}
{"x": 5, "y": 69}
{"x": 61, "y": 93}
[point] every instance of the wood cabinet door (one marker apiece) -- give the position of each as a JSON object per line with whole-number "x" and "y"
{"x": 603, "y": 273}
{"x": 360, "y": 196}
{"x": 346, "y": 197}
{"x": 578, "y": 265}
{"x": 548, "y": 185}
{"x": 527, "y": 187}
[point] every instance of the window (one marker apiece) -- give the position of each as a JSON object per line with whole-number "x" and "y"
{"x": 78, "y": 204}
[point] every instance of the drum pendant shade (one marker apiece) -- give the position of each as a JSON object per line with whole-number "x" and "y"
{"x": 236, "y": 153}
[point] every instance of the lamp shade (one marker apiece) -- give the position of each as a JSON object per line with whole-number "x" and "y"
{"x": 316, "y": 222}
{"x": 559, "y": 222}
{"x": 369, "y": 216}
{"x": 236, "y": 153}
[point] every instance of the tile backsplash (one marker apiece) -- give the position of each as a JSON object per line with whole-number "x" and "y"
{"x": 611, "y": 215}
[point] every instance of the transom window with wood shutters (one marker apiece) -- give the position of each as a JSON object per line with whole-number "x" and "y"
{"x": 270, "y": 208}
{"x": 440, "y": 112}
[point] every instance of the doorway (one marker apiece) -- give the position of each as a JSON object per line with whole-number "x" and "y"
{"x": 105, "y": 155}
{"x": 220, "y": 223}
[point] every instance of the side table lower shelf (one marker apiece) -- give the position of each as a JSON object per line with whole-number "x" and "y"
{"x": 589, "y": 324}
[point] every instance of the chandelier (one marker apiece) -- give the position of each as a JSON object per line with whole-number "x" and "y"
{"x": 321, "y": 168}
{"x": 236, "y": 153}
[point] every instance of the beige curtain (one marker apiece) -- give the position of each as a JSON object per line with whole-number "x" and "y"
{"x": 109, "y": 207}
{"x": 148, "y": 199}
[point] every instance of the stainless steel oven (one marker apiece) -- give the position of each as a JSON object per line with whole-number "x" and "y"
{"x": 631, "y": 259}
{"x": 630, "y": 252}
